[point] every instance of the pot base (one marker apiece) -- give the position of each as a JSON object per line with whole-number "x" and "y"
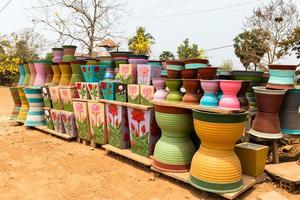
{"x": 290, "y": 131}
{"x": 170, "y": 168}
{"x": 265, "y": 135}
{"x": 279, "y": 86}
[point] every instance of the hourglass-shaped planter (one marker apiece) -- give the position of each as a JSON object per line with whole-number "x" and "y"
{"x": 281, "y": 76}
{"x": 24, "y": 106}
{"x": 242, "y": 95}
{"x": 57, "y": 55}
{"x": 17, "y": 103}
{"x": 41, "y": 72}
{"x": 160, "y": 85}
{"x": 229, "y": 99}
{"x": 27, "y": 74}
{"x": 174, "y": 86}
{"x": 35, "y": 116}
{"x": 22, "y": 74}
{"x": 32, "y": 73}
{"x": 66, "y": 73}
{"x": 215, "y": 167}
{"x": 50, "y": 74}
{"x": 266, "y": 123}
{"x": 77, "y": 75}
{"x": 56, "y": 74}
{"x": 174, "y": 150}
{"x": 192, "y": 87}
{"x": 210, "y": 88}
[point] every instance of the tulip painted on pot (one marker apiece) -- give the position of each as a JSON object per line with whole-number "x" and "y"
{"x": 281, "y": 76}
{"x": 229, "y": 100}
{"x": 46, "y": 97}
{"x": 94, "y": 90}
{"x": 57, "y": 121}
{"x": 146, "y": 72}
{"x": 69, "y": 124}
{"x": 210, "y": 88}
{"x": 146, "y": 93}
{"x": 67, "y": 93}
{"x": 24, "y": 106}
{"x": 121, "y": 92}
{"x": 17, "y": 103}
{"x": 82, "y": 121}
{"x": 174, "y": 86}
{"x": 91, "y": 73}
{"x": 133, "y": 93}
{"x": 55, "y": 97}
{"x": 82, "y": 90}
{"x": 127, "y": 73}
{"x": 207, "y": 73}
{"x": 22, "y": 74}
{"x": 108, "y": 89}
{"x": 195, "y": 63}
{"x": 160, "y": 85}
{"x": 48, "y": 119}
{"x": 192, "y": 88}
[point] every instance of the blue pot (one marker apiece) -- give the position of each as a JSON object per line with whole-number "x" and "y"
{"x": 91, "y": 73}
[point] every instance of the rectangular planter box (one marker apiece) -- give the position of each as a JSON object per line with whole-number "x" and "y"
{"x": 98, "y": 122}
{"x": 48, "y": 119}
{"x": 67, "y": 93}
{"x": 94, "y": 90}
{"x": 108, "y": 89}
{"x": 133, "y": 92}
{"x": 253, "y": 158}
{"x": 121, "y": 92}
{"x": 82, "y": 120}
{"x": 147, "y": 92}
{"x": 147, "y": 72}
{"x": 82, "y": 90}
{"x": 55, "y": 97}
{"x": 127, "y": 73}
{"x": 46, "y": 97}
{"x": 144, "y": 131}
{"x": 57, "y": 121}
{"x": 117, "y": 126}
{"x": 68, "y": 119}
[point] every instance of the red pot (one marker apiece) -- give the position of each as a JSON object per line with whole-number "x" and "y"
{"x": 192, "y": 87}
{"x": 189, "y": 73}
{"x": 207, "y": 73}
{"x": 173, "y": 74}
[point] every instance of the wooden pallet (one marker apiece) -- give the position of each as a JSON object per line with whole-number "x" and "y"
{"x": 248, "y": 181}
{"x": 53, "y": 132}
{"x": 131, "y": 105}
{"x": 128, "y": 154}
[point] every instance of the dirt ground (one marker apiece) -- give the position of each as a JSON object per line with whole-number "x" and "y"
{"x": 35, "y": 165}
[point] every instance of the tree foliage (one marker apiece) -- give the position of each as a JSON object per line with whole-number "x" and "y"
{"x": 166, "y": 55}
{"x": 227, "y": 65}
{"x": 141, "y": 42}
{"x": 186, "y": 51}
{"x": 292, "y": 44}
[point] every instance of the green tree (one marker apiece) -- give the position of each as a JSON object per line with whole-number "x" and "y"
{"x": 166, "y": 55}
{"x": 141, "y": 42}
{"x": 186, "y": 51}
{"x": 292, "y": 44}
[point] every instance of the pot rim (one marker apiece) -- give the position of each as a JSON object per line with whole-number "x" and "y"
{"x": 69, "y": 46}
{"x": 196, "y": 60}
{"x": 57, "y": 49}
{"x": 283, "y": 67}
{"x": 236, "y": 117}
{"x": 174, "y": 62}
{"x": 264, "y": 90}
{"x": 214, "y": 80}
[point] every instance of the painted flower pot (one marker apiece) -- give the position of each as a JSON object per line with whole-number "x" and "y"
{"x": 91, "y": 73}
{"x": 24, "y": 106}
{"x": 56, "y": 74}
{"x": 77, "y": 75}
{"x": 160, "y": 85}
{"x": 82, "y": 90}
{"x": 207, "y": 73}
{"x": 281, "y": 76}
{"x": 22, "y": 74}
{"x": 216, "y": 157}
{"x": 144, "y": 131}
{"x": 50, "y": 74}
{"x": 189, "y": 73}
{"x": 82, "y": 121}
{"x": 146, "y": 73}
{"x": 109, "y": 74}
{"x": 121, "y": 92}
{"x": 57, "y": 55}
{"x": 174, "y": 86}
{"x": 69, "y": 50}
{"x": 128, "y": 73}
{"x": 174, "y": 150}
{"x": 46, "y": 97}
{"x": 242, "y": 95}
{"x": 210, "y": 88}
{"x": 66, "y": 94}
{"x": 174, "y": 65}
{"x": 49, "y": 122}
{"x": 195, "y": 63}
{"x": 69, "y": 123}
{"x": 137, "y": 59}
{"x": 66, "y": 73}
{"x": 41, "y": 72}
{"x": 55, "y": 97}
{"x": 94, "y": 90}
{"x": 146, "y": 94}
{"x": 266, "y": 123}
{"x": 192, "y": 88}
{"x": 17, "y": 103}
{"x": 229, "y": 100}
{"x": 27, "y": 74}
{"x": 108, "y": 89}
{"x": 57, "y": 121}
{"x": 117, "y": 126}
{"x": 32, "y": 73}
{"x": 98, "y": 122}
{"x": 289, "y": 116}
{"x": 173, "y": 74}
{"x": 35, "y": 116}
{"x": 133, "y": 92}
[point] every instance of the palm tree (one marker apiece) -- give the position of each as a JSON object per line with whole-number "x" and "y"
{"x": 141, "y": 42}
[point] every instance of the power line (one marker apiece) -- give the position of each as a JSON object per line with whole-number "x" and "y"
{"x": 5, "y": 6}
{"x": 221, "y": 47}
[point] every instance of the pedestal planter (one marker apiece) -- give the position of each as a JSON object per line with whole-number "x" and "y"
{"x": 17, "y": 103}
{"x": 46, "y": 97}
{"x": 41, "y": 72}
{"x": 289, "y": 116}
{"x": 24, "y": 106}
{"x": 128, "y": 73}
{"x": 82, "y": 121}
{"x": 192, "y": 88}
{"x": 195, "y": 63}
{"x": 188, "y": 73}
{"x": 57, "y": 55}
{"x": 281, "y": 76}
{"x": 22, "y": 74}
{"x": 49, "y": 122}
{"x": 174, "y": 65}
{"x": 94, "y": 90}
{"x": 56, "y": 74}
{"x": 229, "y": 99}
{"x": 27, "y": 74}
{"x": 174, "y": 150}
{"x": 35, "y": 116}
{"x": 207, "y": 73}
{"x": 66, "y": 94}
{"x": 210, "y": 88}
{"x": 173, "y": 74}
{"x": 32, "y": 73}
{"x": 137, "y": 59}
{"x": 174, "y": 86}
{"x": 160, "y": 85}
{"x": 69, "y": 124}
{"x": 98, "y": 122}
{"x": 121, "y": 92}
{"x": 57, "y": 121}
{"x": 66, "y": 73}
{"x": 91, "y": 73}
{"x": 146, "y": 73}
{"x": 215, "y": 167}
{"x": 77, "y": 75}
{"x": 266, "y": 123}
{"x": 242, "y": 95}
{"x": 55, "y": 97}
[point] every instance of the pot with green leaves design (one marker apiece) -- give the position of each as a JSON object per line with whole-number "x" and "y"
{"x": 82, "y": 121}
{"x": 174, "y": 86}
{"x": 69, "y": 124}
{"x": 98, "y": 122}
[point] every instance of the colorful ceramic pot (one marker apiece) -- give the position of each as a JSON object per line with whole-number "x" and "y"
{"x": 91, "y": 61}
{"x": 137, "y": 59}
{"x": 173, "y": 74}
{"x": 174, "y": 65}
{"x": 157, "y": 63}
{"x": 66, "y": 73}
{"x": 22, "y": 74}
{"x": 215, "y": 167}
{"x": 107, "y": 61}
{"x": 17, "y": 103}
{"x": 229, "y": 100}
{"x": 77, "y": 75}
{"x": 24, "y": 106}
{"x": 56, "y": 74}
{"x": 174, "y": 150}
{"x": 119, "y": 57}
{"x": 109, "y": 74}
{"x": 57, "y": 55}
{"x": 242, "y": 95}
{"x": 27, "y": 74}
{"x": 68, "y": 58}
{"x": 210, "y": 88}
{"x": 41, "y": 72}
{"x": 192, "y": 88}
{"x": 207, "y": 73}
{"x": 35, "y": 116}
{"x": 195, "y": 63}
{"x": 49, "y": 122}
{"x": 50, "y": 74}
{"x": 281, "y": 76}
{"x": 32, "y": 73}
{"x": 289, "y": 116}
{"x": 188, "y": 73}
{"x": 69, "y": 124}
{"x": 160, "y": 85}
{"x": 91, "y": 73}
{"x": 266, "y": 123}
{"x": 69, "y": 50}
{"x": 174, "y": 86}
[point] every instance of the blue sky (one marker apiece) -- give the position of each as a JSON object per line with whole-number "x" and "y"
{"x": 210, "y": 24}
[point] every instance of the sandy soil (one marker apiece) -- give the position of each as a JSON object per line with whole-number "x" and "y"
{"x": 34, "y": 165}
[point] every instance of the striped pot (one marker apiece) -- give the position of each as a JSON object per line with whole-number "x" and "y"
{"x": 281, "y": 76}
{"x": 35, "y": 116}
{"x": 215, "y": 167}
{"x": 210, "y": 88}
{"x": 17, "y": 103}
{"x": 174, "y": 150}
{"x": 24, "y": 106}
{"x": 22, "y": 74}
{"x": 195, "y": 63}
{"x": 56, "y": 74}
{"x": 27, "y": 74}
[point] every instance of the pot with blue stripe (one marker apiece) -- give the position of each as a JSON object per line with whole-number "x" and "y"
{"x": 195, "y": 63}
{"x": 35, "y": 116}
{"x": 281, "y": 76}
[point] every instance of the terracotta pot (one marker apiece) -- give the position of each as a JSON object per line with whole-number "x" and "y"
{"x": 24, "y": 106}
{"x": 174, "y": 150}
{"x": 174, "y": 86}
{"x": 160, "y": 85}
{"x": 207, "y": 73}
{"x": 56, "y": 74}
{"x": 22, "y": 74}
{"x": 242, "y": 95}
{"x": 281, "y": 76}
{"x": 192, "y": 87}
{"x": 32, "y": 73}
{"x": 174, "y": 65}
{"x": 27, "y": 74}
{"x": 17, "y": 103}
{"x": 266, "y": 123}
{"x": 173, "y": 74}
{"x": 77, "y": 75}
{"x": 229, "y": 99}
{"x": 189, "y": 73}
{"x": 69, "y": 50}
{"x": 57, "y": 55}
{"x": 210, "y": 88}
{"x": 35, "y": 116}
{"x": 41, "y": 72}
{"x": 195, "y": 63}
{"x": 215, "y": 158}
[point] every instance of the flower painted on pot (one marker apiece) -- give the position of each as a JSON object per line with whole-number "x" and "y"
{"x": 82, "y": 123}
{"x": 96, "y": 68}
{"x": 56, "y": 101}
{"x": 125, "y": 69}
{"x": 127, "y": 73}
{"x": 57, "y": 120}
{"x": 138, "y": 115}
{"x": 94, "y": 90}
{"x": 147, "y": 93}
{"x": 82, "y": 90}
{"x": 133, "y": 93}
{"x": 121, "y": 92}
{"x": 143, "y": 73}
{"x": 113, "y": 109}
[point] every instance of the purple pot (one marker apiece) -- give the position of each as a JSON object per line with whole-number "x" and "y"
{"x": 41, "y": 72}
{"x": 57, "y": 55}
{"x": 160, "y": 85}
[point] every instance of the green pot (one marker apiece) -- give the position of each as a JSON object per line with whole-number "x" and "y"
{"x": 68, "y": 58}
{"x": 174, "y": 86}
{"x": 77, "y": 75}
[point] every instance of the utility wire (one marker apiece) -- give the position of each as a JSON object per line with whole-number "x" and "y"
{"x": 5, "y": 6}
{"x": 221, "y": 47}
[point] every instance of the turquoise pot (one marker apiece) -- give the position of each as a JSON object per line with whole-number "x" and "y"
{"x": 22, "y": 75}
{"x": 91, "y": 73}
{"x": 35, "y": 116}
{"x": 281, "y": 76}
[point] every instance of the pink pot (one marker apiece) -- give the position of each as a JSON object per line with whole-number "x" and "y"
{"x": 229, "y": 99}
{"x": 160, "y": 85}
{"x": 210, "y": 88}
{"x": 41, "y": 72}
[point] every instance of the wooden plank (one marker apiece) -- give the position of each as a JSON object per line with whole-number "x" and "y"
{"x": 184, "y": 177}
{"x": 289, "y": 171}
{"x": 271, "y": 195}
{"x": 45, "y": 129}
{"x": 131, "y": 105}
{"x": 128, "y": 154}
{"x": 85, "y": 100}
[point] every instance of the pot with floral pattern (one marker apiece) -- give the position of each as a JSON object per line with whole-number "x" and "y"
{"x": 17, "y": 103}
{"x": 91, "y": 73}
{"x": 210, "y": 88}
{"x": 160, "y": 85}
{"x": 281, "y": 76}
{"x": 192, "y": 91}
{"x": 98, "y": 122}
{"x": 229, "y": 100}
{"x": 174, "y": 86}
